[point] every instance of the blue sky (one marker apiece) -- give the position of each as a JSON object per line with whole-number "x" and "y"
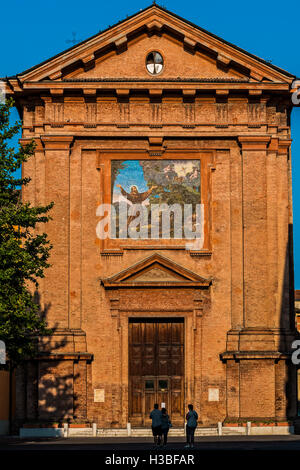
{"x": 35, "y": 30}
{"x": 131, "y": 175}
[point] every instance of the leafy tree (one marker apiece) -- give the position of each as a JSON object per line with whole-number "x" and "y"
{"x": 24, "y": 252}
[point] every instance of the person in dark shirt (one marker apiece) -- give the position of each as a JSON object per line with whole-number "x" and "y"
{"x": 155, "y": 415}
{"x": 134, "y": 196}
{"x": 192, "y": 421}
{"x": 165, "y": 425}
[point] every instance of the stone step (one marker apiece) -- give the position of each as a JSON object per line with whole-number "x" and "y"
{"x": 112, "y": 432}
{"x": 174, "y": 432}
{"x": 206, "y": 432}
{"x": 80, "y": 432}
{"x": 230, "y": 432}
{"x": 147, "y": 432}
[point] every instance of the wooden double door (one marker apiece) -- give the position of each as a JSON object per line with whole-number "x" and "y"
{"x": 156, "y": 369}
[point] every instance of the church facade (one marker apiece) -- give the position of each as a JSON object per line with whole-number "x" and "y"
{"x": 156, "y": 110}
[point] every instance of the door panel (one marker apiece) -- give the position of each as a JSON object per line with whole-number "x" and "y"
{"x": 156, "y": 355}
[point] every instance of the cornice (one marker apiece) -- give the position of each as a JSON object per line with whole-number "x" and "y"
{"x": 251, "y": 355}
{"x": 254, "y": 142}
{"x": 57, "y": 142}
{"x": 74, "y": 356}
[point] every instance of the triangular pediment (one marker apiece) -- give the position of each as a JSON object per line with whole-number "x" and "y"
{"x": 156, "y": 271}
{"x": 189, "y": 52}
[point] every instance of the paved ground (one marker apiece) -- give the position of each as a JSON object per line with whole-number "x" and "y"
{"x": 231, "y": 443}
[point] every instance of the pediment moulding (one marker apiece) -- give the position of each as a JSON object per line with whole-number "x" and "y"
{"x": 156, "y": 271}
{"x": 153, "y": 21}
{"x": 215, "y": 86}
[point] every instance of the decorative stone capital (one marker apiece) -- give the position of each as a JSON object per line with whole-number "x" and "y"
{"x": 283, "y": 146}
{"x": 254, "y": 142}
{"x": 38, "y": 143}
{"x": 57, "y": 142}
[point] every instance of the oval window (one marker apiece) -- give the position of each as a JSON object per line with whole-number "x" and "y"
{"x": 154, "y": 63}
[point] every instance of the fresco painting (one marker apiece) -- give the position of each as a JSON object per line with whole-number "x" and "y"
{"x": 152, "y": 182}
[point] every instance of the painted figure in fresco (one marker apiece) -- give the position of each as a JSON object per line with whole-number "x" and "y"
{"x": 134, "y": 196}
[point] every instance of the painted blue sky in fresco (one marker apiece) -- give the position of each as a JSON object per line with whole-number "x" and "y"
{"x": 131, "y": 175}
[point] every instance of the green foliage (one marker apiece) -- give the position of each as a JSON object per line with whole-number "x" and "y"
{"x": 173, "y": 194}
{"x": 24, "y": 251}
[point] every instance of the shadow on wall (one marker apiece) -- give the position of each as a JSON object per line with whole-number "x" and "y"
{"x": 45, "y": 385}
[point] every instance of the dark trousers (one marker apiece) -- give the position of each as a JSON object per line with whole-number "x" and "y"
{"x": 165, "y": 434}
{"x": 190, "y": 434}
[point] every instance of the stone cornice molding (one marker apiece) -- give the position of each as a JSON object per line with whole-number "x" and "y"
{"x": 254, "y": 142}
{"x": 74, "y": 356}
{"x": 57, "y": 142}
{"x": 250, "y": 355}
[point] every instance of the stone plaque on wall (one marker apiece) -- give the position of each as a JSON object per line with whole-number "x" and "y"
{"x": 213, "y": 394}
{"x": 99, "y": 395}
